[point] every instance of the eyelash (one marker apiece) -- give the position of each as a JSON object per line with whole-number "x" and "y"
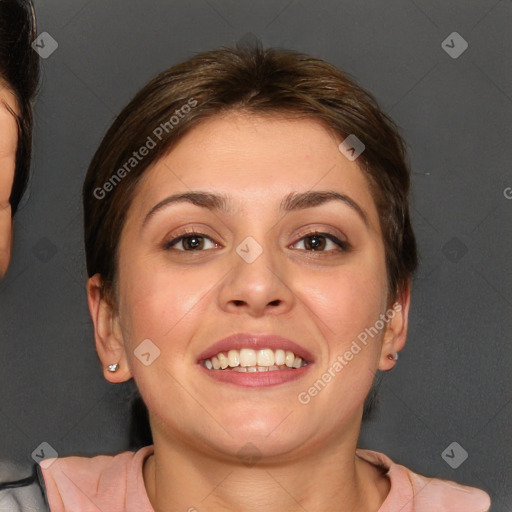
{"x": 343, "y": 246}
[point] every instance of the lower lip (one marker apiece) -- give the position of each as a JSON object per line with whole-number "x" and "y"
{"x": 256, "y": 379}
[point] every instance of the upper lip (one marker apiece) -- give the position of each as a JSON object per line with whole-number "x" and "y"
{"x": 256, "y": 342}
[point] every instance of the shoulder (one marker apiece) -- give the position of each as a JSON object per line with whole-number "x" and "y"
{"x": 22, "y": 488}
{"x": 423, "y": 494}
{"x": 103, "y": 482}
{"x": 98, "y": 467}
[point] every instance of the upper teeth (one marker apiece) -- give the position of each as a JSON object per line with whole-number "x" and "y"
{"x": 247, "y": 357}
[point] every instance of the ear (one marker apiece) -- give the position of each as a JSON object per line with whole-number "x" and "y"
{"x": 396, "y": 330}
{"x": 107, "y": 332}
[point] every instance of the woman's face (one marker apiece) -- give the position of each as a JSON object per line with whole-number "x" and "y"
{"x": 253, "y": 270}
{"x": 8, "y": 145}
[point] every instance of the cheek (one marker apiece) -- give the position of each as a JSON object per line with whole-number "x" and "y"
{"x": 347, "y": 305}
{"x": 7, "y": 165}
{"x": 161, "y": 304}
{"x": 8, "y": 145}
{"x": 347, "y": 300}
{"x": 166, "y": 306}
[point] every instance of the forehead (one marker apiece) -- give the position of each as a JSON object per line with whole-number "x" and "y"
{"x": 255, "y": 159}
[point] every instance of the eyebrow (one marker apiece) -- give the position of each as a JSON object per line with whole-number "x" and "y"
{"x": 292, "y": 202}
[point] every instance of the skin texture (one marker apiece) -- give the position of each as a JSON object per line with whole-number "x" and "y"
{"x": 8, "y": 145}
{"x": 184, "y": 301}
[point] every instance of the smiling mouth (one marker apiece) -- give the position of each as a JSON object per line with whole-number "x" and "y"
{"x": 250, "y": 360}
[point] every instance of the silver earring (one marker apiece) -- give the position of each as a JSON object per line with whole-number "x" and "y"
{"x": 113, "y": 367}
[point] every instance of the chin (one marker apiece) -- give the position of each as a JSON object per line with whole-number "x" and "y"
{"x": 260, "y": 448}
{"x": 272, "y": 435}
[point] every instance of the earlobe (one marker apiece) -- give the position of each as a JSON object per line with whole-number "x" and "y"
{"x": 107, "y": 333}
{"x": 396, "y": 330}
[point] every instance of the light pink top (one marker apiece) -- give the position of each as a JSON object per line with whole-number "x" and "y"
{"x": 114, "y": 483}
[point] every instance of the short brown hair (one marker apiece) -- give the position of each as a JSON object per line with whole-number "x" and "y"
{"x": 257, "y": 81}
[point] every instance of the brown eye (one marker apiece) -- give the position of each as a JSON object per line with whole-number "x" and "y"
{"x": 319, "y": 241}
{"x": 190, "y": 242}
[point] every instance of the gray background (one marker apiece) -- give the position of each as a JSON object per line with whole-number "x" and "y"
{"x": 453, "y": 380}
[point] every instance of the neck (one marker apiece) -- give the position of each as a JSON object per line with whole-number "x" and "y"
{"x": 180, "y": 478}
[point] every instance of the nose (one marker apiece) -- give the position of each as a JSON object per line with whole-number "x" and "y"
{"x": 257, "y": 286}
